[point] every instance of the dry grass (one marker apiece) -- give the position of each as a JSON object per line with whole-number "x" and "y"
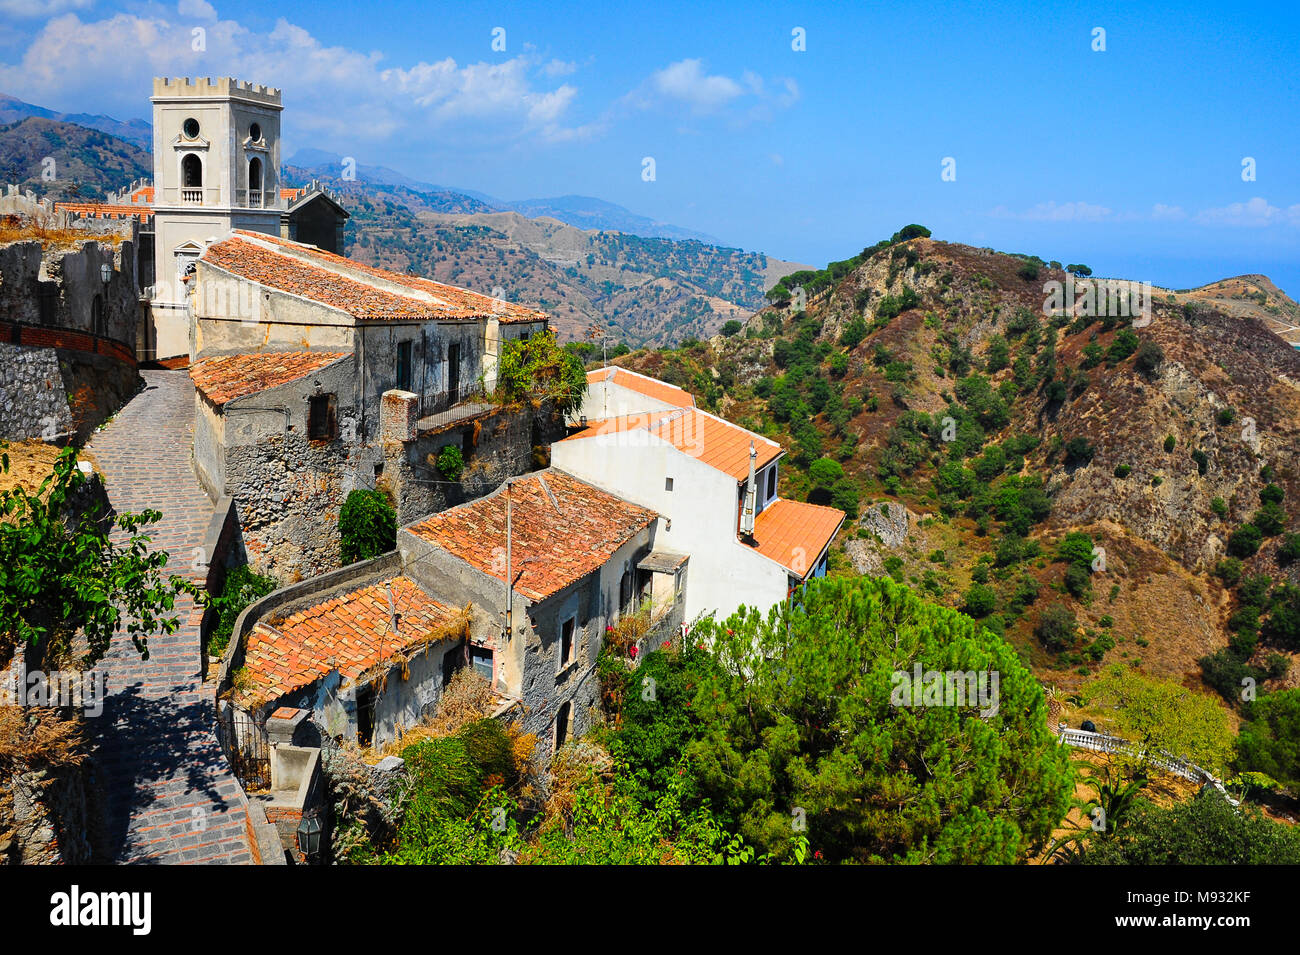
{"x": 31, "y": 462}
{"x": 467, "y": 698}
{"x": 35, "y": 737}
{"x": 14, "y": 230}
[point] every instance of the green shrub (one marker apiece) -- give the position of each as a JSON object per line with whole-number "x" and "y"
{"x": 1202, "y": 462}
{"x": 845, "y": 496}
{"x": 1289, "y": 552}
{"x": 451, "y": 464}
{"x": 1149, "y": 357}
{"x": 241, "y": 588}
{"x": 1270, "y": 519}
{"x": 1225, "y": 416}
{"x": 1078, "y": 581}
{"x": 1271, "y": 494}
{"x": 1056, "y": 629}
{"x": 1229, "y": 571}
{"x": 367, "y": 526}
{"x": 980, "y": 601}
{"x": 1122, "y": 470}
{"x": 1219, "y": 506}
{"x": 732, "y": 327}
{"x": 1170, "y": 443}
{"x": 1245, "y": 541}
{"x": 1078, "y": 451}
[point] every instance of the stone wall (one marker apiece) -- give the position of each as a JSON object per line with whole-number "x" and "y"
{"x": 57, "y": 287}
{"x": 33, "y": 399}
{"x": 495, "y": 445}
{"x": 50, "y": 816}
{"x": 54, "y": 394}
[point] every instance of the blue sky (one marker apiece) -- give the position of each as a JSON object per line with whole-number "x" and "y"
{"x": 1127, "y": 159}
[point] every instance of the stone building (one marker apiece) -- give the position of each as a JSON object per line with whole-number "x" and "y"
{"x": 296, "y": 348}
{"x": 368, "y": 649}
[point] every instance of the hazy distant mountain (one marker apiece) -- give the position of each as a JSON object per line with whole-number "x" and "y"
{"x": 135, "y": 131}
{"x": 584, "y": 212}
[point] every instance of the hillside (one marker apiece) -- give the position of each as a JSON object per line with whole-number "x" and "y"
{"x": 643, "y": 291}
{"x": 986, "y": 448}
{"x": 87, "y": 163}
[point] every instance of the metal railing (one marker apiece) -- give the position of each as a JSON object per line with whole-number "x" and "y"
{"x": 245, "y": 746}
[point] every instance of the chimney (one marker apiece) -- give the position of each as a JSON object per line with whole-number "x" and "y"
{"x": 747, "y": 515}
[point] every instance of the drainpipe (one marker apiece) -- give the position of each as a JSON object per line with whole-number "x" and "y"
{"x": 747, "y": 515}
{"x": 510, "y": 595}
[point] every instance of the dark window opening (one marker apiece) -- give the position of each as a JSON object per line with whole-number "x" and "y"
{"x": 562, "y": 724}
{"x": 452, "y": 662}
{"x": 404, "y": 366}
{"x": 771, "y": 482}
{"x": 453, "y": 374}
{"x": 192, "y": 171}
{"x": 365, "y": 715}
{"x": 566, "y": 641}
{"x": 255, "y": 133}
{"x": 48, "y": 303}
{"x": 191, "y": 128}
{"x": 97, "y": 315}
{"x": 322, "y": 418}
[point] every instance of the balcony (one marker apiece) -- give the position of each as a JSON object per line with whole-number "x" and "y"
{"x": 249, "y": 198}
{"x": 192, "y": 197}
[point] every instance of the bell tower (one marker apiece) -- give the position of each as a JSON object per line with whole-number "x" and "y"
{"x": 216, "y": 165}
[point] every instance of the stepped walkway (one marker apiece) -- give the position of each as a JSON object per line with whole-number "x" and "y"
{"x": 170, "y": 795}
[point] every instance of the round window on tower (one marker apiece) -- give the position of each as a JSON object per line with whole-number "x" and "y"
{"x": 191, "y": 128}
{"x": 255, "y": 133}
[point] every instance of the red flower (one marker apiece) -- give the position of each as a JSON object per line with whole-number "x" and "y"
{"x": 632, "y": 652}
{"x": 609, "y": 629}
{"x": 817, "y": 854}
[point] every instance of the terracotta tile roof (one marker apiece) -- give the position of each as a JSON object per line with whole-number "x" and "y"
{"x": 650, "y": 387}
{"x": 554, "y": 541}
{"x": 314, "y": 273}
{"x": 143, "y": 196}
{"x": 258, "y": 264}
{"x": 794, "y": 534}
{"x": 227, "y": 377}
{"x": 717, "y": 443}
{"x": 103, "y": 210}
{"x": 292, "y": 193}
{"x": 350, "y": 633}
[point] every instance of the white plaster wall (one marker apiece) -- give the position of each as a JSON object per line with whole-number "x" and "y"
{"x": 605, "y": 399}
{"x": 702, "y": 509}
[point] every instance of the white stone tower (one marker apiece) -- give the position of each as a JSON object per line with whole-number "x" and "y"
{"x": 216, "y": 165}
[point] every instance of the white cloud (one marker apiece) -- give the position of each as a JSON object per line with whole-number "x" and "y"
{"x": 35, "y": 9}
{"x": 348, "y": 95}
{"x": 199, "y": 9}
{"x": 1162, "y": 212}
{"x": 1254, "y": 213}
{"x": 1056, "y": 212}
{"x": 687, "y": 83}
